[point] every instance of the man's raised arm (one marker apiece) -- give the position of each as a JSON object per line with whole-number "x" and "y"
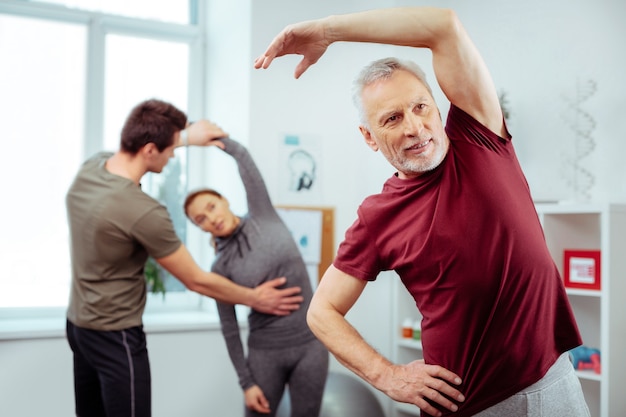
{"x": 459, "y": 68}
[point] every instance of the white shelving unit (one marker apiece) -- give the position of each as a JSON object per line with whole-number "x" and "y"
{"x": 600, "y": 314}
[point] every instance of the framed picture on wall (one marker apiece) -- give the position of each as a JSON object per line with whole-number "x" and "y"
{"x": 582, "y": 269}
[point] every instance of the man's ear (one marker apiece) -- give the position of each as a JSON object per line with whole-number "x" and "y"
{"x": 367, "y": 135}
{"x": 149, "y": 149}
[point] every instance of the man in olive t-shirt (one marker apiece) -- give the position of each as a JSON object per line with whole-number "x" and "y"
{"x": 114, "y": 227}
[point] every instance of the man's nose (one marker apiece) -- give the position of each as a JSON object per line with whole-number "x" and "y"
{"x": 413, "y": 125}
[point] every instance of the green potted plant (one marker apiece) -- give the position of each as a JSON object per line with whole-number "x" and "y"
{"x": 154, "y": 279}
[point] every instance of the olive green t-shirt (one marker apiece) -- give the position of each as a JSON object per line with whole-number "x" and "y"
{"x": 114, "y": 226}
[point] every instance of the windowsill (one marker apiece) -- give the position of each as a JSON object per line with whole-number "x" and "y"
{"x": 54, "y": 327}
{"x": 182, "y": 321}
{"x": 32, "y": 328}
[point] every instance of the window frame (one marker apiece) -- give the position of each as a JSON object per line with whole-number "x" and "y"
{"x": 98, "y": 26}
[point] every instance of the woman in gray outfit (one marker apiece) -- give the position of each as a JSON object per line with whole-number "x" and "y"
{"x": 282, "y": 351}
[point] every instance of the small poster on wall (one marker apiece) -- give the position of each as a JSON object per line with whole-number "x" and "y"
{"x": 298, "y": 161}
{"x": 582, "y": 269}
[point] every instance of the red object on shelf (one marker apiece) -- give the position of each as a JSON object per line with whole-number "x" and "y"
{"x": 582, "y": 269}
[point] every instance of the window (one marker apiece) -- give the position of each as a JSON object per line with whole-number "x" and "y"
{"x": 68, "y": 80}
{"x": 42, "y": 113}
{"x": 139, "y": 68}
{"x": 175, "y": 11}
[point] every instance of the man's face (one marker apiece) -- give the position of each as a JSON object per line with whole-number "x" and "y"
{"x": 404, "y": 124}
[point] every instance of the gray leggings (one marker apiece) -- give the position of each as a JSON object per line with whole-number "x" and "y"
{"x": 557, "y": 394}
{"x": 303, "y": 369}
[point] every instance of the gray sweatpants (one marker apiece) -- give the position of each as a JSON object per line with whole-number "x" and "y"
{"x": 302, "y": 369}
{"x": 557, "y": 394}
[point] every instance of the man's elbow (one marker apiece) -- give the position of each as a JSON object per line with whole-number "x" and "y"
{"x": 452, "y": 22}
{"x": 194, "y": 283}
{"x": 313, "y": 318}
{"x": 193, "y": 286}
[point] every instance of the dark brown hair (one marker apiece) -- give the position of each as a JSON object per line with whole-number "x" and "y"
{"x": 153, "y": 121}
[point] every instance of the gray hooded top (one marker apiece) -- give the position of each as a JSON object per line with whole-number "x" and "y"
{"x": 260, "y": 249}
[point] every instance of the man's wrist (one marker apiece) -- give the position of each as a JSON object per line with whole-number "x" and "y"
{"x": 184, "y": 137}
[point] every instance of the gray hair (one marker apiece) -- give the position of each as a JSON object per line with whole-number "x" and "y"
{"x": 382, "y": 69}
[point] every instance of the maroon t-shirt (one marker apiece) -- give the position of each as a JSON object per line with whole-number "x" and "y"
{"x": 467, "y": 243}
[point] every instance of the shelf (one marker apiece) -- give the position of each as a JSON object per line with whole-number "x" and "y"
{"x": 579, "y": 208}
{"x": 583, "y": 293}
{"x": 589, "y": 375}
{"x": 410, "y": 343}
{"x": 569, "y": 208}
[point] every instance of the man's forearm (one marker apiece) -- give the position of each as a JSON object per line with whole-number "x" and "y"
{"x": 182, "y": 266}
{"x": 348, "y": 346}
{"x": 222, "y": 289}
{"x": 335, "y": 295}
{"x": 405, "y": 26}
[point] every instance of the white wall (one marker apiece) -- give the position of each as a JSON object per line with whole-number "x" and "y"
{"x": 536, "y": 51}
{"x": 539, "y": 52}
{"x": 191, "y": 376}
